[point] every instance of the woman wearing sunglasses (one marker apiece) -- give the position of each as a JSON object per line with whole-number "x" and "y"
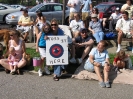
{"x": 19, "y": 46}
{"x": 96, "y": 28}
{"x": 56, "y": 31}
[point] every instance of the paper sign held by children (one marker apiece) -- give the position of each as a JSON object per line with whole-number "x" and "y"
{"x": 57, "y": 50}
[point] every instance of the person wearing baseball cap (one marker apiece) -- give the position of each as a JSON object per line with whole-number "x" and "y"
{"x": 96, "y": 28}
{"x": 114, "y": 18}
{"x": 24, "y": 24}
{"x": 81, "y": 46}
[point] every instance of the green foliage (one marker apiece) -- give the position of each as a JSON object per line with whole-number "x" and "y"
{"x": 22, "y": 2}
{"x": 10, "y": 1}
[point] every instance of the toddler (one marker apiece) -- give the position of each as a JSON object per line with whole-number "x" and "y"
{"x": 13, "y": 60}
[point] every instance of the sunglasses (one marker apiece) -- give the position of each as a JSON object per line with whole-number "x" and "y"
{"x": 12, "y": 34}
{"x": 84, "y": 32}
{"x": 53, "y": 24}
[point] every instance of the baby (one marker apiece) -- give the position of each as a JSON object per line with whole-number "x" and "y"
{"x": 13, "y": 60}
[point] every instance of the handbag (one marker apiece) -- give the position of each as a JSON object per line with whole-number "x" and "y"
{"x": 110, "y": 35}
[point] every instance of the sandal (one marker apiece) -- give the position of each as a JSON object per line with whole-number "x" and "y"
{"x": 55, "y": 78}
{"x": 18, "y": 71}
{"x": 7, "y": 71}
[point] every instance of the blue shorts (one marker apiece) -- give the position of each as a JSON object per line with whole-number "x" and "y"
{"x": 90, "y": 67}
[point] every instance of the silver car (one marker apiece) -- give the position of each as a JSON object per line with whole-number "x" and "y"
{"x": 18, "y": 6}
{"x": 5, "y": 10}
{"x": 49, "y": 10}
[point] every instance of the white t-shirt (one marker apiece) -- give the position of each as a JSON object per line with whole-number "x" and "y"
{"x": 77, "y": 6}
{"x": 76, "y": 25}
{"x": 116, "y": 16}
{"x": 124, "y": 7}
{"x": 125, "y": 25}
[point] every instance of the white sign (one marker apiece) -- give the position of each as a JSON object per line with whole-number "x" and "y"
{"x": 57, "y": 50}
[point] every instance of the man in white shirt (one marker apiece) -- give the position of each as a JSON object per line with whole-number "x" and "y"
{"x": 124, "y": 26}
{"x": 75, "y": 6}
{"x": 114, "y": 18}
{"x": 127, "y": 5}
{"x": 76, "y": 25}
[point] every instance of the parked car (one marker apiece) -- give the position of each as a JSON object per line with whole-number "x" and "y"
{"x": 49, "y": 10}
{"x": 5, "y": 10}
{"x": 107, "y": 8}
{"x": 18, "y": 6}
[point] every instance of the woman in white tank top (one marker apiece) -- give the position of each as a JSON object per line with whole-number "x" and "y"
{"x": 19, "y": 46}
{"x": 40, "y": 22}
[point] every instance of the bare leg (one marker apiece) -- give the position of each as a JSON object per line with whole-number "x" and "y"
{"x": 119, "y": 38}
{"x": 36, "y": 30}
{"x": 76, "y": 34}
{"x": 106, "y": 74}
{"x": 86, "y": 51}
{"x": 15, "y": 67}
{"x": 42, "y": 62}
{"x": 4, "y": 63}
{"x": 21, "y": 63}
{"x": 97, "y": 70}
{"x": 25, "y": 35}
{"x": 11, "y": 67}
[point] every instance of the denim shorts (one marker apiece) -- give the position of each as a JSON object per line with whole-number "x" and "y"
{"x": 90, "y": 67}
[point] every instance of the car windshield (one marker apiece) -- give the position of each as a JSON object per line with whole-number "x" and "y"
{"x": 33, "y": 9}
{"x": 102, "y": 8}
{"x": 8, "y": 5}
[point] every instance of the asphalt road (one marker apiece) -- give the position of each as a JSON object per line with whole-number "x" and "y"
{"x": 30, "y": 86}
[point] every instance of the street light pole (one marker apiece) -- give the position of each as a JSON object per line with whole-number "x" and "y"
{"x": 63, "y": 16}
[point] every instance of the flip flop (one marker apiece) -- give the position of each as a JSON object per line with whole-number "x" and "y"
{"x": 55, "y": 78}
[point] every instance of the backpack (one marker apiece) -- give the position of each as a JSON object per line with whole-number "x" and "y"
{"x": 110, "y": 35}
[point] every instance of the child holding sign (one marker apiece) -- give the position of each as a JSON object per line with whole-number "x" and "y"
{"x": 41, "y": 47}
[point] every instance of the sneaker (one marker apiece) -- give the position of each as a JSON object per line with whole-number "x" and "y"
{"x": 116, "y": 69}
{"x": 124, "y": 68}
{"x": 12, "y": 72}
{"x": 119, "y": 72}
{"x": 79, "y": 60}
{"x": 107, "y": 84}
{"x": 47, "y": 70}
{"x": 72, "y": 60}
{"x": 40, "y": 72}
{"x": 118, "y": 49}
{"x": 102, "y": 84}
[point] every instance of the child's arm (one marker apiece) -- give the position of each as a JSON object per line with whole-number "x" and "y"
{"x": 38, "y": 37}
{"x": 115, "y": 62}
{"x": 9, "y": 58}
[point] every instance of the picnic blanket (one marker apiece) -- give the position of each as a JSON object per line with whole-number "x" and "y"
{"x": 126, "y": 77}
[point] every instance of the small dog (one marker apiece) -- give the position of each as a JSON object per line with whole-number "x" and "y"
{"x": 1, "y": 51}
{"x": 5, "y": 36}
{"x": 27, "y": 57}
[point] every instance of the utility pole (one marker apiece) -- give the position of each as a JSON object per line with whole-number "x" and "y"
{"x": 63, "y": 16}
